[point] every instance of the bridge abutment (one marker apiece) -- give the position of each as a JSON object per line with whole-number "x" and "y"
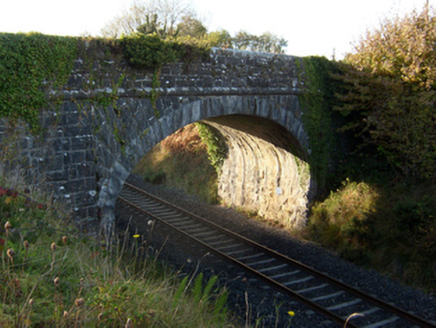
{"x": 265, "y": 171}
{"x": 106, "y": 122}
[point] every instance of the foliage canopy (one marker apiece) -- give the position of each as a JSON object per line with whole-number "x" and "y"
{"x": 177, "y": 22}
{"x": 391, "y": 92}
{"x": 148, "y": 51}
{"x": 165, "y": 14}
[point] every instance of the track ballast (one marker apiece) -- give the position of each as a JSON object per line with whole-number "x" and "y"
{"x": 323, "y": 294}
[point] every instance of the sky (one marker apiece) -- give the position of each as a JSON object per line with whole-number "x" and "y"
{"x": 311, "y": 27}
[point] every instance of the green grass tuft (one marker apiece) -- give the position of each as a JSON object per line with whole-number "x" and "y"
{"x": 172, "y": 161}
{"x": 389, "y": 227}
{"x": 56, "y": 277}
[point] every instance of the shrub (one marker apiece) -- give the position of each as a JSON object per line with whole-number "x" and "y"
{"x": 391, "y": 92}
{"x": 147, "y": 51}
{"x": 342, "y": 221}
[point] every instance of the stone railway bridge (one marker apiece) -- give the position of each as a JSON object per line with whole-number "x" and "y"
{"x": 103, "y": 122}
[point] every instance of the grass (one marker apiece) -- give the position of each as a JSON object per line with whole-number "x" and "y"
{"x": 374, "y": 218}
{"x": 386, "y": 226}
{"x": 51, "y": 276}
{"x": 172, "y": 161}
{"x": 338, "y": 221}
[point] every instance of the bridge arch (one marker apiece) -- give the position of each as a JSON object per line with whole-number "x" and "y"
{"x": 266, "y": 170}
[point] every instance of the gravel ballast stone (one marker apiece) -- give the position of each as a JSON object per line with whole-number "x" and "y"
{"x": 250, "y": 299}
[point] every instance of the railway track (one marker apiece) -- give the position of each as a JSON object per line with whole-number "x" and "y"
{"x": 318, "y": 291}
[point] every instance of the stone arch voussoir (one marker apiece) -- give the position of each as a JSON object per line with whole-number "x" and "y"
{"x": 283, "y": 110}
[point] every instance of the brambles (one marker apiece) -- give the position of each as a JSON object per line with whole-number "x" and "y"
{"x": 382, "y": 215}
{"x": 11, "y": 194}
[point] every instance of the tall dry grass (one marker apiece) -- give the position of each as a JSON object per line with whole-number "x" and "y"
{"x": 52, "y": 276}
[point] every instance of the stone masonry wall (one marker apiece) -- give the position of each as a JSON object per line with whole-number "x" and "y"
{"x": 265, "y": 171}
{"x": 106, "y": 122}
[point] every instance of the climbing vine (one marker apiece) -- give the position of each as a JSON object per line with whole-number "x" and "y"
{"x": 216, "y": 146}
{"x": 318, "y": 101}
{"x": 150, "y": 51}
{"x": 32, "y": 63}
{"x": 147, "y": 51}
{"x": 29, "y": 64}
{"x": 155, "y": 85}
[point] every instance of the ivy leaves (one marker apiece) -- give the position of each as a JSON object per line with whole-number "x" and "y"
{"x": 147, "y": 51}
{"x": 29, "y": 63}
{"x": 216, "y": 147}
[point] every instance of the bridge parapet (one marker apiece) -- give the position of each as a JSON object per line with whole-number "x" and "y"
{"x": 108, "y": 116}
{"x": 225, "y": 72}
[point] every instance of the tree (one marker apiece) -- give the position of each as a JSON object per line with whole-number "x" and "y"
{"x": 175, "y": 19}
{"x": 392, "y": 91}
{"x": 164, "y": 15}
{"x": 266, "y": 42}
{"x": 190, "y": 26}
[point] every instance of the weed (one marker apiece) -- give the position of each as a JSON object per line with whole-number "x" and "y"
{"x": 181, "y": 161}
{"x": 52, "y": 276}
{"x": 390, "y": 228}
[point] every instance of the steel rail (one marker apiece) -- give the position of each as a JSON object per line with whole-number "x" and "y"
{"x": 379, "y": 303}
{"x": 247, "y": 268}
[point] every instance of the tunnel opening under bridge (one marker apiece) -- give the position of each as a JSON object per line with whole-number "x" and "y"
{"x": 264, "y": 170}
